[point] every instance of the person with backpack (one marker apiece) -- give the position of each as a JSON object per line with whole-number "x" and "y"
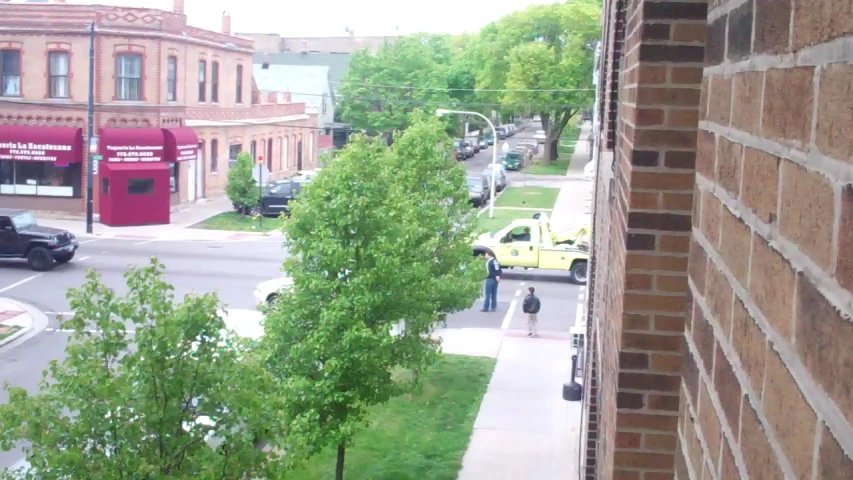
{"x": 531, "y": 307}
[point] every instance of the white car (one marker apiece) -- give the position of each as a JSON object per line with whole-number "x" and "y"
{"x": 266, "y": 292}
{"x": 589, "y": 171}
{"x": 500, "y": 176}
{"x": 540, "y": 136}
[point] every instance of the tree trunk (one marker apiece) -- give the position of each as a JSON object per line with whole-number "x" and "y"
{"x": 339, "y": 464}
{"x": 553, "y": 149}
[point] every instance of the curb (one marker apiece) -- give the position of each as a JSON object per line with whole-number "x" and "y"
{"x": 23, "y": 331}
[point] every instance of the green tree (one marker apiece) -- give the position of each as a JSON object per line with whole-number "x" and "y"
{"x": 544, "y": 55}
{"x": 417, "y": 61}
{"x": 242, "y": 189}
{"x": 381, "y": 236}
{"x": 159, "y": 391}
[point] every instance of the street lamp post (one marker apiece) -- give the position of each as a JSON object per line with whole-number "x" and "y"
{"x": 443, "y": 111}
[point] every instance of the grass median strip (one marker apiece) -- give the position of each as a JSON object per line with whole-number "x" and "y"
{"x": 7, "y": 331}
{"x": 565, "y": 152}
{"x": 239, "y": 223}
{"x": 528, "y": 197}
{"x": 502, "y": 218}
{"x": 420, "y": 436}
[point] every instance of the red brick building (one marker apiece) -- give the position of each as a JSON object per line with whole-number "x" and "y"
{"x": 720, "y": 333}
{"x": 156, "y": 77}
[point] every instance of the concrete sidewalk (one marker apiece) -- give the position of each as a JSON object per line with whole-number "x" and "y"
{"x": 573, "y": 207}
{"x": 524, "y": 428}
{"x": 15, "y": 321}
{"x": 178, "y": 230}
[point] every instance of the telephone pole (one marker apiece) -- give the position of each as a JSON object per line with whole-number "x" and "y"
{"x": 90, "y": 159}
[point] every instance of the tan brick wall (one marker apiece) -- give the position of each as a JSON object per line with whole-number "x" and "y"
{"x": 765, "y": 265}
{"x": 770, "y": 361}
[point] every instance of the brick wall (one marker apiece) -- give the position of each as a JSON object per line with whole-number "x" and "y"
{"x": 732, "y": 325}
{"x": 768, "y": 390}
{"x": 642, "y": 238}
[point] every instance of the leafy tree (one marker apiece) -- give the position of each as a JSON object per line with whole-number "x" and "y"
{"x": 544, "y": 47}
{"x": 159, "y": 391}
{"x": 383, "y": 235}
{"x": 417, "y": 61}
{"x": 242, "y": 189}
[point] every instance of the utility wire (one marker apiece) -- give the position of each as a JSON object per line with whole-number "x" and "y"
{"x": 475, "y": 90}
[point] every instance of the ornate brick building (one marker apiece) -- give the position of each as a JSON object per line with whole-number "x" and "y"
{"x": 152, "y": 71}
{"x": 720, "y": 325}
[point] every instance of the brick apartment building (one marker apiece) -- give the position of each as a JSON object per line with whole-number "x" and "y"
{"x": 720, "y": 336}
{"x": 158, "y": 82}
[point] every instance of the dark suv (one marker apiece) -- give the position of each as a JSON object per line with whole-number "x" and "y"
{"x": 43, "y": 247}
{"x": 276, "y": 199}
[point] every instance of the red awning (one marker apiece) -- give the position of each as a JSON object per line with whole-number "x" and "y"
{"x": 29, "y": 143}
{"x": 181, "y": 144}
{"x": 131, "y": 145}
{"x": 135, "y": 167}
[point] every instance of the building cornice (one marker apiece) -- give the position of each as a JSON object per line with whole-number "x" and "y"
{"x": 246, "y": 122}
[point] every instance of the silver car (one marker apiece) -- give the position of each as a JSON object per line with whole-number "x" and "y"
{"x": 500, "y": 176}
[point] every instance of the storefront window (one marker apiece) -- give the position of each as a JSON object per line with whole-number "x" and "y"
{"x": 42, "y": 179}
{"x": 140, "y": 186}
{"x": 174, "y": 177}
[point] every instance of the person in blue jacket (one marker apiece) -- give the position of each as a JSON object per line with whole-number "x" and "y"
{"x": 493, "y": 277}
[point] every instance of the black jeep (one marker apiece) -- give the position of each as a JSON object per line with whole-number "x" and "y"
{"x": 43, "y": 247}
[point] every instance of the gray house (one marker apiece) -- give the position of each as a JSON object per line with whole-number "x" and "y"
{"x": 306, "y": 84}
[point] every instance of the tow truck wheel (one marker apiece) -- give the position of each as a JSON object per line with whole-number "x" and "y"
{"x": 39, "y": 259}
{"x": 578, "y": 273}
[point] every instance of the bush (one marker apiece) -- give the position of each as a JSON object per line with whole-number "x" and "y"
{"x": 242, "y": 189}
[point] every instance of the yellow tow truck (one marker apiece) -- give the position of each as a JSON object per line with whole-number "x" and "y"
{"x": 530, "y": 243}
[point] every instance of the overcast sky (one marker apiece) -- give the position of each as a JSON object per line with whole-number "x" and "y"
{"x": 329, "y": 18}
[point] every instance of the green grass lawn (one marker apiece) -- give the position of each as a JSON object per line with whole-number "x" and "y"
{"x": 502, "y": 218}
{"x": 528, "y": 197}
{"x": 568, "y": 141}
{"x": 7, "y": 331}
{"x": 421, "y": 436}
{"x": 238, "y": 223}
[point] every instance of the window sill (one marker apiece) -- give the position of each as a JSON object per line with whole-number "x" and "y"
{"x": 12, "y": 96}
{"x": 214, "y": 174}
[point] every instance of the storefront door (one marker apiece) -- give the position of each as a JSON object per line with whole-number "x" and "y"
{"x": 199, "y": 177}
{"x": 191, "y": 184}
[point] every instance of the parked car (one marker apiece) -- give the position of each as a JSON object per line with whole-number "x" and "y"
{"x": 540, "y": 136}
{"x": 276, "y": 199}
{"x": 525, "y": 152}
{"x": 513, "y": 160}
{"x": 531, "y": 145}
{"x": 305, "y": 176}
{"x": 490, "y": 139}
{"x": 501, "y": 133}
{"x": 43, "y": 247}
{"x": 484, "y": 144}
{"x": 459, "y": 150}
{"x": 469, "y": 149}
{"x": 478, "y": 190}
{"x": 475, "y": 143}
{"x": 499, "y": 171}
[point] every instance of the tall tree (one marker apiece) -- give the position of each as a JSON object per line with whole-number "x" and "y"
{"x": 242, "y": 189}
{"x": 380, "y": 90}
{"x": 544, "y": 47}
{"x": 161, "y": 390}
{"x": 381, "y": 236}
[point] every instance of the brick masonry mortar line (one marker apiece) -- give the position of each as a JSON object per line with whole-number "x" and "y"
{"x": 837, "y": 171}
{"x": 825, "y": 283}
{"x": 745, "y": 384}
{"x": 836, "y": 51}
{"x": 823, "y": 406}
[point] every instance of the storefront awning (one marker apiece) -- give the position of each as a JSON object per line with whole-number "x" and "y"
{"x": 132, "y": 145}
{"x": 136, "y": 167}
{"x": 30, "y": 143}
{"x": 181, "y": 144}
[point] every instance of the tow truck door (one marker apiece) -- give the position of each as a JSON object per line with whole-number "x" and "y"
{"x": 516, "y": 250}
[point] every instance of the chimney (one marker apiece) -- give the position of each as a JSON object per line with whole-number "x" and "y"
{"x": 226, "y": 23}
{"x": 177, "y": 6}
{"x": 266, "y": 64}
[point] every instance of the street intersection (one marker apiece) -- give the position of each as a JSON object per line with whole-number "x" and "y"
{"x": 232, "y": 269}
